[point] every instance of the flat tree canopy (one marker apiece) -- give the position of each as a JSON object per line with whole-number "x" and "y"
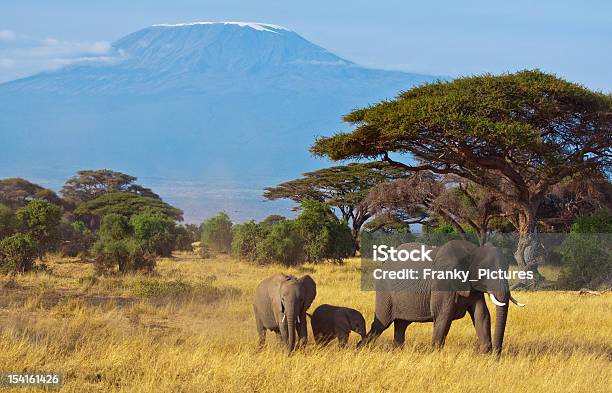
{"x": 344, "y": 187}
{"x": 90, "y": 184}
{"x": 516, "y": 135}
{"x": 17, "y": 192}
{"x": 125, "y": 204}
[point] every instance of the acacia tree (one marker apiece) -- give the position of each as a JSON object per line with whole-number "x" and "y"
{"x": 575, "y": 197}
{"x": 17, "y": 192}
{"x": 409, "y": 200}
{"x": 91, "y": 184}
{"x": 125, "y": 204}
{"x": 343, "y": 187}
{"x": 516, "y": 135}
{"x": 425, "y": 195}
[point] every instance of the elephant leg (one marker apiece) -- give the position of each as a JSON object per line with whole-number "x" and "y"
{"x": 399, "y": 334}
{"x": 284, "y": 332}
{"x": 482, "y": 323}
{"x": 323, "y": 339}
{"x": 441, "y": 327}
{"x": 376, "y": 330}
{"x": 343, "y": 339}
{"x": 302, "y": 331}
{"x": 261, "y": 331}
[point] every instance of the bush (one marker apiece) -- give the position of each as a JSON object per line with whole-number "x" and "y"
{"x": 118, "y": 248}
{"x": 77, "y": 239}
{"x": 245, "y": 238}
{"x": 186, "y": 235}
{"x": 17, "y": 253}
{"x": 40, "y": 219}
{"x": 217, "y": 233}
{"x": 8, "y": 222}
{"x": 127, "y": 255}
{"x": 155, "y": 231}
{"x": 282, "y": 244}
{"x": 114, "y": 227}
{"x": 587, "y": 252}
{"x": 442, "y": 234}
{"x": 273, "y": 219}
{"x": 325, "y": 236}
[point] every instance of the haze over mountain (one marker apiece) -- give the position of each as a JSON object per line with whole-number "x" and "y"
{"x": 206, "y": 113}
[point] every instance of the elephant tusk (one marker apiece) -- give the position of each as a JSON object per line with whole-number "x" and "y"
{"x": 283, "y": 320}
{"x": 513, "y": 300}
{"x": 495, "y": 301}
{"x": 298, "y": 319}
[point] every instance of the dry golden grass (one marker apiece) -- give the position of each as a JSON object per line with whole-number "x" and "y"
{"x": 190, "y": 329}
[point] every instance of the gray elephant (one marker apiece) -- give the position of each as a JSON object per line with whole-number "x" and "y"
{"x": 331, "y": 322}
{"x": 280, "y": 305}
{"x": 441, "y": 301}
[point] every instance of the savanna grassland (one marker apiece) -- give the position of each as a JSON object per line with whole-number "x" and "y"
{"x": 190, "y": 328}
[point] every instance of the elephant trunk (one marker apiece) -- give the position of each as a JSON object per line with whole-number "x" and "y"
{"x": 290, "y": 313}
{"x": 501, "y": 315}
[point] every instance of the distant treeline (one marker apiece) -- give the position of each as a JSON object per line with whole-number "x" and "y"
{"x": 524, "y": 153}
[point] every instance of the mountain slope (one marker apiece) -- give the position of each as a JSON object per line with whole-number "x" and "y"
{"x": 225, "y": 104}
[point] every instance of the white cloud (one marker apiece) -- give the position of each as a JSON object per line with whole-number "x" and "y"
{"x": 7, "y": 35}
{"x": 21, "y": 56}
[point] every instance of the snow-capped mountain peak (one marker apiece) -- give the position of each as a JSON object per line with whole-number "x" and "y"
{"x": 253, "y": 25}
{"x": 228, "y": 104}
{"x": 205, "y": 47}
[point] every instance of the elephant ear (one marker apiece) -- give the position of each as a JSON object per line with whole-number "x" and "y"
{"x": 488, "y": 257}
{"x": 310, "y": 290}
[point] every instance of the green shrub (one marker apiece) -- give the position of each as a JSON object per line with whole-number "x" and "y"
{"x": 17, "y": 253}
{"x": 76, "y": 238}
{"x": 114, "y": 227}
{"x": 8, "y": 222}
{"x": 325, "y": 236}
{"x": 273, "y": 219}
{"x": 117, "y": 248}
{"x": 245, "y": 238}
{"x": 157, "y": 232}
{"x": 126, "y": 255}
{"x": 442, "y": 234}
{"x": 217, "y": 233}
{"x": 186, "y": 235}
{"x": 587, "y": 253}
{"x": 282, "y": 244}
{"x": 40, "y": 219}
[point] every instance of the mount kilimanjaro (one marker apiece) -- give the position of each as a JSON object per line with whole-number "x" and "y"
{"x": 211, "y": 111}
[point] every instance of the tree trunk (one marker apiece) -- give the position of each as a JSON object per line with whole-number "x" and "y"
{"x": 358, "y": 220}
{"x": 528, "y": 246}
{"x": 355, "y": 234}
{"x": 482, "y": 237}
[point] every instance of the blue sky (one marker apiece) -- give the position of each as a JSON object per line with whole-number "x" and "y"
{"x": 570, "y": 38}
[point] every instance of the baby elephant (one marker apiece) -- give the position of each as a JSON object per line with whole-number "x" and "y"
{"x": 330, "y": 322}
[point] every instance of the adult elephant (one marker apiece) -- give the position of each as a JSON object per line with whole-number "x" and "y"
{"x": 441, "y": 301}
{"x": 280, "y": 305}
